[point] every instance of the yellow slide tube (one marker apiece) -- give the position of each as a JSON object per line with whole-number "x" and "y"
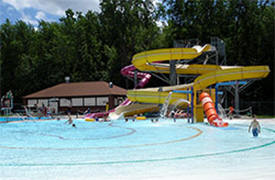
{"x": 210, "y": 74}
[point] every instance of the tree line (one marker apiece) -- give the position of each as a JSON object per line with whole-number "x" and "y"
{"x": 96, "y": 45}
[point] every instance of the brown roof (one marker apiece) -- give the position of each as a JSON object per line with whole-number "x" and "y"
{"x": 93, "y": 88}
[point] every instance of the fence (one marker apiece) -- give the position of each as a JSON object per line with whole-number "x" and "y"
{"x": 259, "y": 107}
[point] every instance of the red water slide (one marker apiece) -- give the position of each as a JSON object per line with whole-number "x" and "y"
{"x": 126, "y": 71}
{"x": 129, "y": 71}
{"x": 210, "y": 111}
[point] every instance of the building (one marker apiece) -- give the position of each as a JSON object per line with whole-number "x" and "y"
{"x": 77, "y": 96}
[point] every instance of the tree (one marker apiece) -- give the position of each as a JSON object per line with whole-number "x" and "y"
{"x": 16, "y": 41}
{"x": 128, "y": 27}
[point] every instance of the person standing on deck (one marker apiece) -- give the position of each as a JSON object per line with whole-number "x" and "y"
{"x": 231, "y": 109}
{"x": 255, "y": 125}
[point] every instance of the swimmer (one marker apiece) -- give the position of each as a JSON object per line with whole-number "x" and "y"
{"x": 172, "y": 114}
{"x": 70, "y": 120}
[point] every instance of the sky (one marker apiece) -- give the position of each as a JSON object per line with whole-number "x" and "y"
{"x": 32, "y": 11}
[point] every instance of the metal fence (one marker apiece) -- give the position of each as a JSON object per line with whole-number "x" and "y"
{"x": 259, "y": 107}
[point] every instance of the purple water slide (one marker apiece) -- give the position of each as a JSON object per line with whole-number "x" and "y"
{"x": 129, "y": 71}
{"x": 126, "y": 71}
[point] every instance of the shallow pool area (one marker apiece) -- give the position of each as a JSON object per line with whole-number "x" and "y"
{"x": 135, "y": 150}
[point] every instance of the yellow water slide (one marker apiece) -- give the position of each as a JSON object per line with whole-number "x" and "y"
{"x": 133, "y": 109}
{"x": 158, "y": 95}
{"x": 209, "y": 74}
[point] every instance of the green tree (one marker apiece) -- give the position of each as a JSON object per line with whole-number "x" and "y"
{"x": 16, "y": 41}
{"x": 128, "y": 27}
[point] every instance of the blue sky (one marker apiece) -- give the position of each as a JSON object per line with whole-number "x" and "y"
{"x": 31, "y": 11}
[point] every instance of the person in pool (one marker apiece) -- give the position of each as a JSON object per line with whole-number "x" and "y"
{"x": 70, "y": 120}
{"x": 172, "y": 114}
{"x": 255, "y": 125}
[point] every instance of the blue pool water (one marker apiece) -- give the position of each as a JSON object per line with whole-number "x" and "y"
{"x": 135, "y": 150}
{"x": 13, "y": 119}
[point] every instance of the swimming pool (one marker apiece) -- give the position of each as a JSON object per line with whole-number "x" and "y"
{"x": 135, "y": 150}
{"x": 19, "y": 118}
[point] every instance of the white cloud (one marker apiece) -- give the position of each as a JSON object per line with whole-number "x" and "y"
{"x": 28, "y": 19}
{"x": 55, "y": 7}
{"x": 17, "y": 4}
{"x": 10, "y": 8}
{"x": 40, "y": 15}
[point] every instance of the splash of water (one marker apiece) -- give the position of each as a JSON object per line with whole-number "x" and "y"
{"x": 28, "y": 112}
{"x": 180, "y": 101}
{"x": 221, "y": 112}
{"x": 165, "y": 105}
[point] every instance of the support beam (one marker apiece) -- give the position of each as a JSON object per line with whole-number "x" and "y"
{"x": 188, "y": 119}
{"x": 182, "y": 91}
{"x": 189, "y": 92}
{"x": 228, "y": 84}
{"x": 173, "y": 73}
{"x": 237, "y": 99}
{"x": 163, "y": 78}
{"x": 192, "y": 105}
{"x": 135, "y": 79}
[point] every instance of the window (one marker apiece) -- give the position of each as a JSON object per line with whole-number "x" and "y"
{"x": 101, "y": 101}
{"x": 89, "y": 101}
{"x": 65, "y": 102}
{"x": 77, "y": 102}
{"x": 32, "y": 102}
{"x": 118, "y": 100}
{"x": 43, "y": 101}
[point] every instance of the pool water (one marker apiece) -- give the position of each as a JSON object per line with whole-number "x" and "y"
{"x": 135, "y": 150}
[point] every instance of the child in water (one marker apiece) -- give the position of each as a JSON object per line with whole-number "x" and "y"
{"x": 70, "y": 121}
